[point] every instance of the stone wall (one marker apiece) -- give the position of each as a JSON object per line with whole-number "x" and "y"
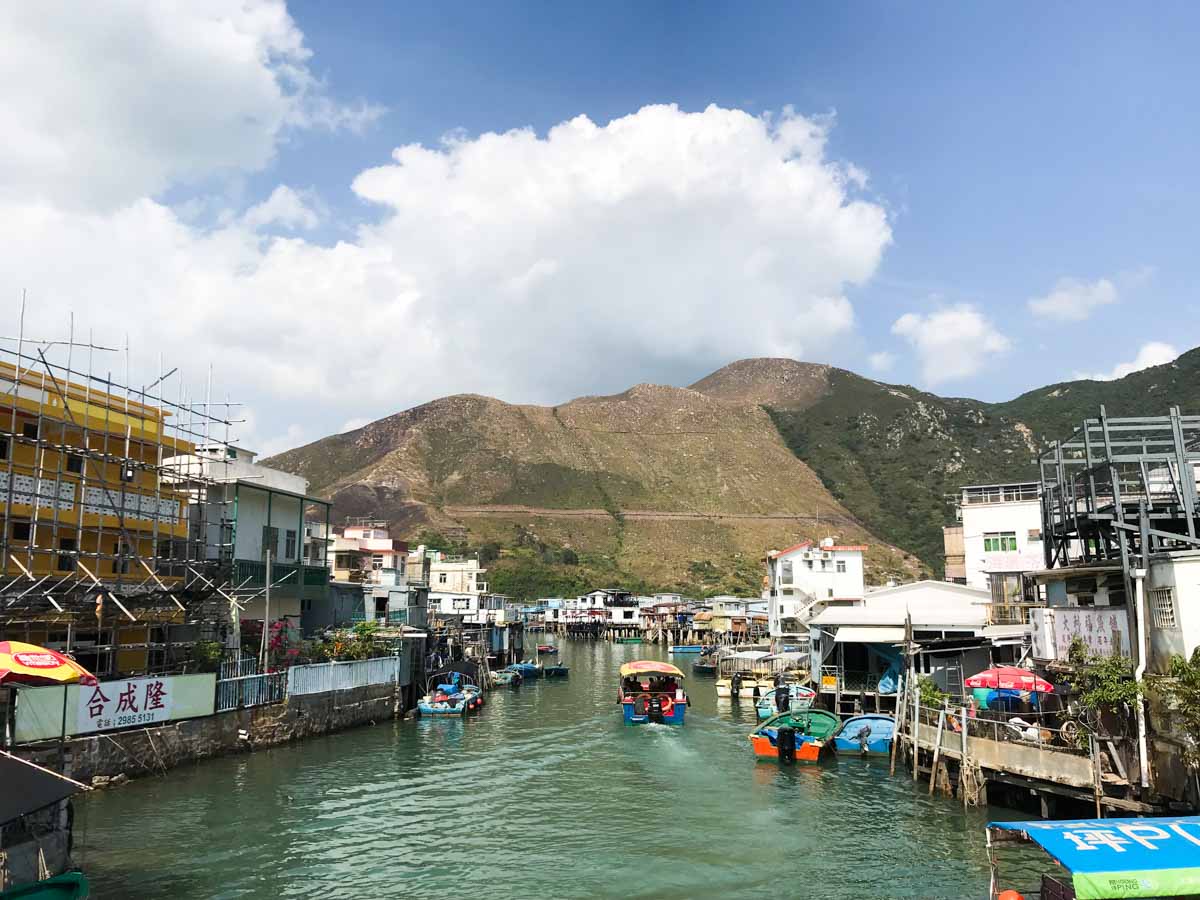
{"x": 147, "y": 751}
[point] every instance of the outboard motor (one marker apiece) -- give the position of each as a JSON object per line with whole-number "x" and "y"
{"x": 783, "y": 698}
{"x": 863, "y": 736}
{"x": 655, "y": 711}
{"x": 735, "y": 684}
{"x": 785, "y": 742}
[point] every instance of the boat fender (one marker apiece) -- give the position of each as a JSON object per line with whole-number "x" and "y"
{"x": 785, "y": 743}
{"x": 668, "y": 706}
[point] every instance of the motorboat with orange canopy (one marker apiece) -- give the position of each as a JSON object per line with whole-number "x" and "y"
{"x": 651, "y": 691}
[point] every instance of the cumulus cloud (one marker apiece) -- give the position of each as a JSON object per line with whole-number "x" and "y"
{"x": 103, "y": 104}
{"x": 1073, "y": 300}
{"x": 531, "y": 266}
{"x": 882, "y": 361}
{"x": 955, "y": 342}
{"x": 1152, "y": 354}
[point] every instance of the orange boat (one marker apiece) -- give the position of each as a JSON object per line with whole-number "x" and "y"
{"x": 800, "y": 735}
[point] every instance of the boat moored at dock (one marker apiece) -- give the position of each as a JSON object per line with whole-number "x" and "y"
{"x": 555, "y": 671}
{"x": 802, "y": 736}
{"x": 867, "y": 735}
{"x": 651, "y": 691}
{"x": 529, "y": 668}
{"x": 450, "y": 694}
{"x": 686, "y": 648}
{"x": 799, "y": 697}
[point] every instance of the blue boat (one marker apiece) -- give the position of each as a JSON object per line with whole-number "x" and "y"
{"x": 651, "y": 691}
{"x": 686, "y": 648}
{"x": 450, "y": 694}
{"x": 528, "y": 668}
{"x": 868, "y": 735}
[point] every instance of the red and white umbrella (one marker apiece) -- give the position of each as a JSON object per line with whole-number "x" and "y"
{"x": 1010, "y": 678}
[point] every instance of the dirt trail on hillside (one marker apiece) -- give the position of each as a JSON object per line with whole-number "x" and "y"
{"x": 643, "y": 514}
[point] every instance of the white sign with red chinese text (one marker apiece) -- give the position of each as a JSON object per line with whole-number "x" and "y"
{"x": 122, "y": 704}
{"x": 1104, "y": 630}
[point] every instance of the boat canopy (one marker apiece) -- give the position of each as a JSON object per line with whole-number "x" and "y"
{"x": 1110, "y": 858}
{"x": 649, "y": 667}
{"x": 748, "y": 654}
{"x": 32, "y": 787}
{"x": 816, "y": 723}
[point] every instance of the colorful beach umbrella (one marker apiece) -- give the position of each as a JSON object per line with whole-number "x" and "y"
{"x": 30, "y": 664}
{"x": 1010, "y": 678}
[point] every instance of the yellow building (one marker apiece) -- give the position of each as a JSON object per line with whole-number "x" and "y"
{"x": 93, "y": 537}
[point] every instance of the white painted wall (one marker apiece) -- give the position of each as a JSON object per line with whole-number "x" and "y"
{"x": 1019, "y": 517}
{"x": 252, "y": 516}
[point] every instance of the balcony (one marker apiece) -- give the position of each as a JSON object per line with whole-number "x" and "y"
{"x": 287, "y": 579}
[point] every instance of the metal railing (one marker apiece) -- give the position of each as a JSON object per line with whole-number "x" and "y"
{"x": 245, "y": 691}
{"x": 340, "y": 676}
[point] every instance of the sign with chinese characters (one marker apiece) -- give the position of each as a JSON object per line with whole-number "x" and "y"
{"x": 121, "y": 704}
{"x": 1104, "y": 630}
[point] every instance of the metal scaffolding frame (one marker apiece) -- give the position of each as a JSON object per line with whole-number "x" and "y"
{"x": 97, "y": 534}
{"x": 1121, "y": 489}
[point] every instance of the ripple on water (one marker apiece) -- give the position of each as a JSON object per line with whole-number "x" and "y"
{"x": 543, "y": 794}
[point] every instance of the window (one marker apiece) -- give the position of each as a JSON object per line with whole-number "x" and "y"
{"x": 999, "y": 541}
{"x": 628, "y": 613}
{"x": 460, "y": 603}
{"x": 21, "y": 531}
{"x": 1035, "y": 534}
{"x": 377, "y": 561}
{"x": 30, "y": 430}
{"x": 75, "y": 463}
{"x": 289, "y": 545}
{"x": 442, "y": 578}
{"x": 841, "y": 567}
{"x": 808, "y": 562}
{"x": 824, "y": 565}
{"x": 120, "y": 563}
{"x": 66, "y": 563}
{"x": 786, "y": 572}
{"x": 1162, "y": 607}
{"x": 3, "y": 448}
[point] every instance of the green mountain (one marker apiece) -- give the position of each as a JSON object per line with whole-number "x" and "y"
{"x": 891, "y": 454}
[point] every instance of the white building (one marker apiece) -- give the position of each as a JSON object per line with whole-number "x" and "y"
{"x": 860, "y": 645}
{"x": 456, "y": 585}
{"x": 805, "y": 578}
{"x": 1001, "y": 530}
{"x": 366, "y": 552}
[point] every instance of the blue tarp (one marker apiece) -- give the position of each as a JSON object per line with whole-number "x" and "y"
{"x": 1122, "y": 857}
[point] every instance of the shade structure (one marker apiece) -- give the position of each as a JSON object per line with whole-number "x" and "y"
{"x": 1010, "y": 678}
{"x": 29, "y": 787}
{"x": 649, "y": 667}
{"x": 1110, "y": 858}
{"x": 30, "y": 664}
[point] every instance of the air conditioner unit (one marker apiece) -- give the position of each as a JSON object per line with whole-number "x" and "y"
{"x": 825, "y": 554}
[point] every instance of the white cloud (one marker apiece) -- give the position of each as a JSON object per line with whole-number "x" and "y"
{"x": 285, "y": 208}
{"x": 955, "y": 342}
{"x": 1073, "y": 300}
{"x": 1154, "y": 353}
{"x": 106, "y": 103}
{"x": 532, "y": 267}
{"x": 882, "y": 361}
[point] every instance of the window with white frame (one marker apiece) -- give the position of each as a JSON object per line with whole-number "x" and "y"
{"x": 785, "y": 575}
{"x": 999, "y": 541}
{"x": 1162, "y": 607}
{"x": 442, "y": 578}
{"x": 841, "y": 567}
{"x": 376, "y": 561}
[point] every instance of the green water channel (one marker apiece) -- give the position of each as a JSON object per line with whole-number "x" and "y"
{"x": 545, "y": 793}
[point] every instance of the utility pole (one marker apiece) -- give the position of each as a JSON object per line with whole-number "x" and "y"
{"x": 262, "y": 654}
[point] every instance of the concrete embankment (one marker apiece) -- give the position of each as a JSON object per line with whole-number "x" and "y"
{"x": 147, "y": 751}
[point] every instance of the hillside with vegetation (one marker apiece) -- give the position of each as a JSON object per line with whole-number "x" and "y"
{"x": 657, "y": 488}
{"x": 892, "y": 453}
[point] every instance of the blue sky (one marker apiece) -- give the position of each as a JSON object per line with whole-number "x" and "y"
{"x": 1012, "y": 146}
{"x": 1013, "y": 150}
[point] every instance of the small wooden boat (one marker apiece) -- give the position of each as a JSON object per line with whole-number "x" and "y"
{"x": 450, "y": 694}
{"x": 529, "y": 668}
{"x": 800, "y": 697}
{"x": 686, "y": 648}
{"x": 868, "y": 735}
{"x": 555, "y": 672}
{"x": 507, "y": 678}
{"x": 651, "y": 691}
{"x": 802, "y": 736}
{"x": 547, "y": 648}
{"x": 67, "y": 886}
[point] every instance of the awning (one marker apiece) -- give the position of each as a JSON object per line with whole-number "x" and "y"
{"x": 867, "y": 634}
{"x": 1120, "y": 857}
{"x": 29, "y": 787}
